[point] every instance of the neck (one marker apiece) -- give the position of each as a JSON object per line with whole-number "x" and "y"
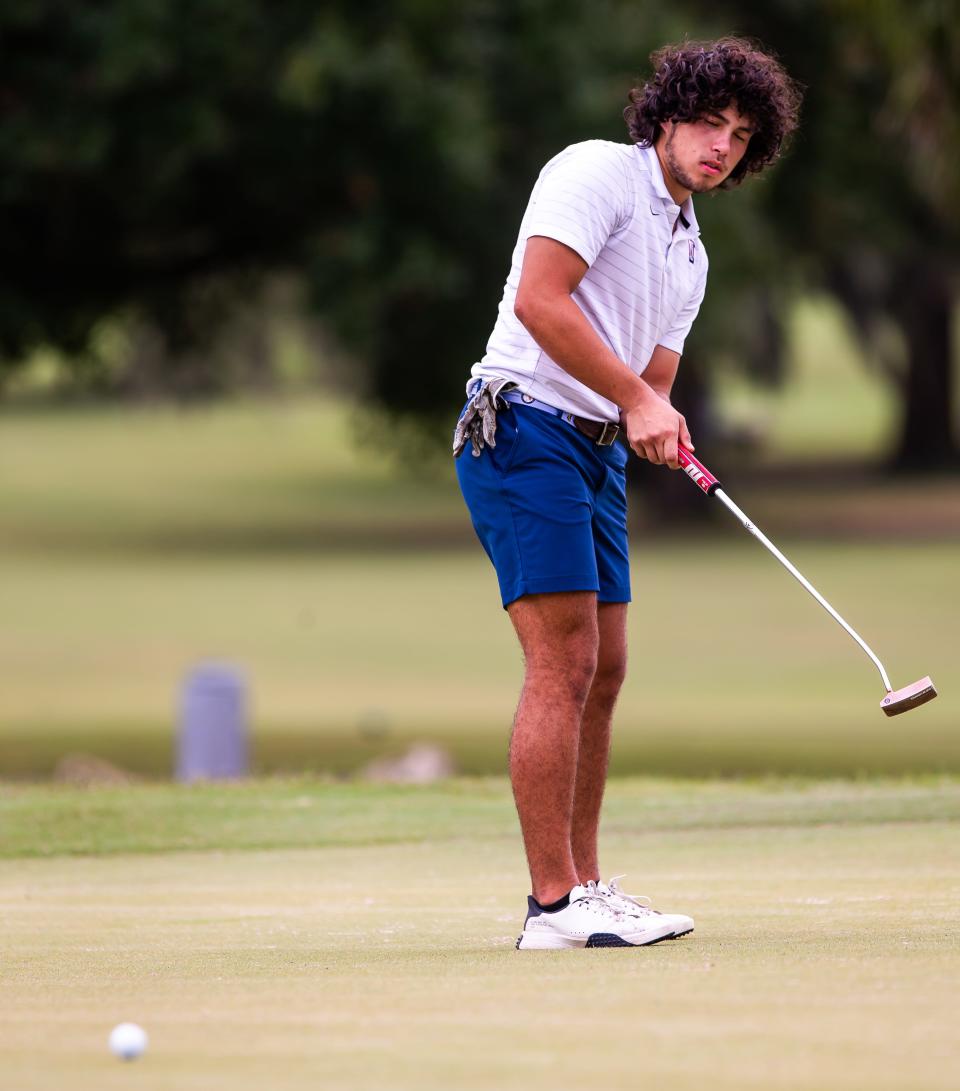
{"x": 678, "y": 192}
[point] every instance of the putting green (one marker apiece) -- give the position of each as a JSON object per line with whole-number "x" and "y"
{"x": 826, "y": 953}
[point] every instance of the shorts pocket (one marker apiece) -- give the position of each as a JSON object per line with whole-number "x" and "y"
{"x": 508, "y": 440}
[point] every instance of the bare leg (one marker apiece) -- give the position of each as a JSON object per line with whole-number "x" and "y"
{"x": 595, "y": 738}
{"x": 558, "y": 634}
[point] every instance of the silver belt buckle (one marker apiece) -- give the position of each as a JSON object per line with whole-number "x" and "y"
{"x": 609, "y": 434}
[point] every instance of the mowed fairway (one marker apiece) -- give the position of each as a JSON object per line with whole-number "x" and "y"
{"x": 306, "y": 934}
{"x": 734, "y": 668}
{"x": 365, "y": 617}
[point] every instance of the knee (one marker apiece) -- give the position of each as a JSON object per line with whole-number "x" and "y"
{"x": 611, "y": 670}
{"x": 569, "y": 668}
{"x": 579, "y": 673}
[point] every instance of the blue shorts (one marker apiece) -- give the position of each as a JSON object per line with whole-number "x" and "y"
{"x": 550, "y": 507}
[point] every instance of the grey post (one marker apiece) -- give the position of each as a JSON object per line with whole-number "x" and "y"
{"x": 212, "y": 740}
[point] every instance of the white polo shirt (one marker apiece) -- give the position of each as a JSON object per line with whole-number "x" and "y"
{"x": 644, "y": 281}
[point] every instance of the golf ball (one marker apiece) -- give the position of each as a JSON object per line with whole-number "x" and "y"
{"x": 128, "y": 1041}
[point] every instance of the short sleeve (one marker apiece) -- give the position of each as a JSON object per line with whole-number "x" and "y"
{"x": 579, "y": 199}
{"x": 674, "y": 338}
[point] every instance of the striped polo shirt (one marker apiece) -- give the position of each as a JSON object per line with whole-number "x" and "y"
{"x": 644, "y": 281}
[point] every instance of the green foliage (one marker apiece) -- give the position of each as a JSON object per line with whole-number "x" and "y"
{"x": 866, "y": 206}
{"x": 443, "y": 132}
{"x": 146, "y": 153}
{"x": 154, "y": 152}
{"x": 156, "y": 157}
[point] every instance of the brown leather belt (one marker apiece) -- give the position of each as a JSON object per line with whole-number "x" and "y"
{"x": 603, "y": 433}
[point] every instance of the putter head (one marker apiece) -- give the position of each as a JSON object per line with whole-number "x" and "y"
{"x": 902, "y": 700}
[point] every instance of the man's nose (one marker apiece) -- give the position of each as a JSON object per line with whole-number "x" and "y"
{"x": 721, "y": 144}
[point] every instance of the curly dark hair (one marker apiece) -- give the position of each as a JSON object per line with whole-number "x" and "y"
{"x": 692, "y": 79}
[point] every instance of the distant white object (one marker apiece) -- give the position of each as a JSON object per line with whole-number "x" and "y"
{"x": 421, "y": 764}
{"x": 127, "y": 1041}
{"x": 212, "y": 742}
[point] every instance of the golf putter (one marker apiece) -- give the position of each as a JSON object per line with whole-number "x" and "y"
{"x": 896, "y": 700}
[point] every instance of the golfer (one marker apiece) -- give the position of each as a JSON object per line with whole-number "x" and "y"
{"x": 607, "y": 277}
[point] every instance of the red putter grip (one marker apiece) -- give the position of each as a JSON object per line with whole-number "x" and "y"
{"x": 696, "y": 471}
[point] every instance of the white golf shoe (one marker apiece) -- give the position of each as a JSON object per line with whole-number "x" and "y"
{"x": 680, "y": 925}
{"x": 590, "y": 920}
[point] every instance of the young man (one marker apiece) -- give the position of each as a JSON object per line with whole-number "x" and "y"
{"x": 607, "y": 277}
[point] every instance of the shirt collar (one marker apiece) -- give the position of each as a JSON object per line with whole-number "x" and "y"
{"x": 688, "y": 220}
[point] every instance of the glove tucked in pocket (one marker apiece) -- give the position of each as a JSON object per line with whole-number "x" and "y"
{"x": 478, "y": 422}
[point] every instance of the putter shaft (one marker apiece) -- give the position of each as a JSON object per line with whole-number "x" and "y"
{"x": 805, "y": 583}
{"x": 707, "y": 483}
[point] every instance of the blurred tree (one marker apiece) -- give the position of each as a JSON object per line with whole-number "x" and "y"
{"x": 156, "y": 156}
{"x": 906, "y": 58}
{"x": 149, "y": 162}
{"x": 867, "y": 205}
{"x": 446, "y": 113}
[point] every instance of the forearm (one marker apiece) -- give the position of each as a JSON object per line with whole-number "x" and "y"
{"x": 547, "y": 309}
{"x": 661, "y": 371}
{"x": 563, "y": 331}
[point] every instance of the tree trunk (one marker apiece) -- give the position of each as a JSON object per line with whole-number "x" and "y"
{"x": 923, "y": 306}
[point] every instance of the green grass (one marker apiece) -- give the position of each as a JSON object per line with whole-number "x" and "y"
{"x": 134, "y": 543}
{"x": 734, "y": 669}
{"x": 242, "y": 477}
{"x": 305, "y": 934}
{"x": 304, "y": 812}
{"x": 316, "y": 932}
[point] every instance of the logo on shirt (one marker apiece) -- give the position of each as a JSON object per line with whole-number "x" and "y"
{"x": 691, "y": 250}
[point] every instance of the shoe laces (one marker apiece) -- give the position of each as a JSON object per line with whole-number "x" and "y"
{"x": 636, "y": 904}
{"x": 598, "y": 902}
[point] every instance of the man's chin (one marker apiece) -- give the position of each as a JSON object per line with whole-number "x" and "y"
{"x": 701, "y": 184}
{"x": 705, "y": 185}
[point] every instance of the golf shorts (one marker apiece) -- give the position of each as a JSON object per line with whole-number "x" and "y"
{"x": 549, "y": 507}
